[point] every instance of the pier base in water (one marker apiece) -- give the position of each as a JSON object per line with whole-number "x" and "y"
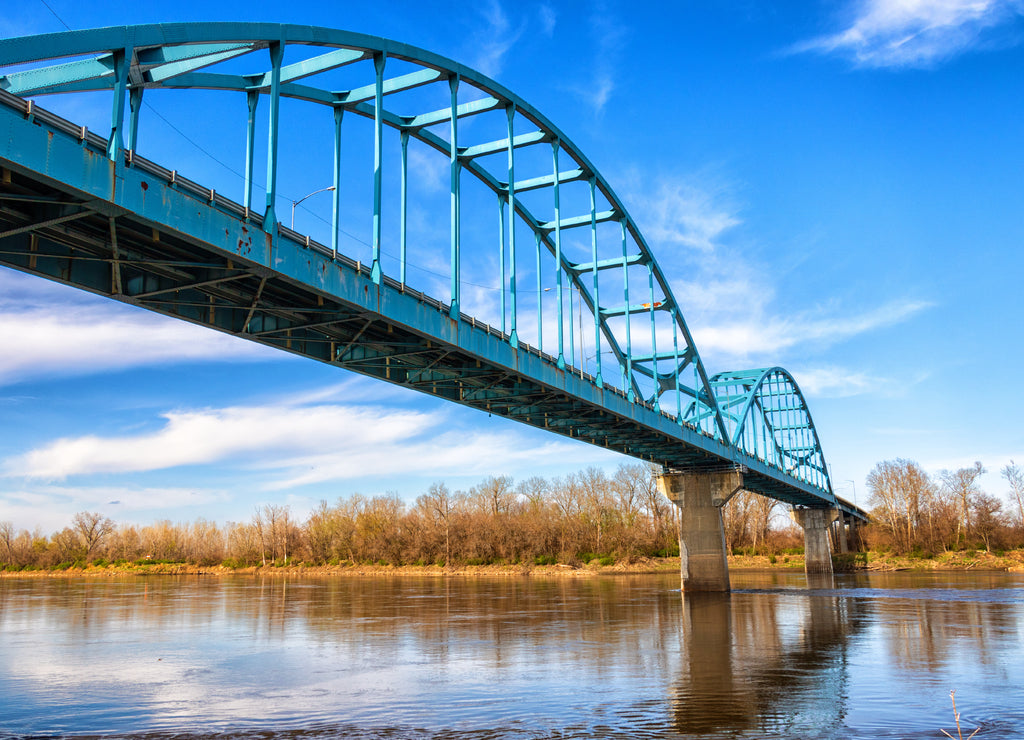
{"x": 817, "y": 552}
{"x": 700, "y": 497}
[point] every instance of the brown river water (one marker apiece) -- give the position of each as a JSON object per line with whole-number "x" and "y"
{"x": 868, "y": 656}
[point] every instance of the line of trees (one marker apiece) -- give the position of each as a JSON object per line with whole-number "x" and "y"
{"x": 569, "y": 520}
{"x": 913, "y": 512}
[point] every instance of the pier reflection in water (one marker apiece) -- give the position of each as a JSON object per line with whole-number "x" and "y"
{"x": 865, "y": 657}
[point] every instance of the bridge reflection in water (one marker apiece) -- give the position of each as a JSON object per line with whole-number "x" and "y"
{"x": 776, "y": 665}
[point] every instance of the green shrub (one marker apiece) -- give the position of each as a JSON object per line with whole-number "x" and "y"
{"x": 545, "y": 560}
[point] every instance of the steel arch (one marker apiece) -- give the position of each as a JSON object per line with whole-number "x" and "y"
{"x": 720, "y": 416}
{"x": 128, "y": 60}
{"x": 768, "y": 418}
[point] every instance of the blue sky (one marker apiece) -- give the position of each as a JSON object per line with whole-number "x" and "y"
{"x": 831, "y": 187}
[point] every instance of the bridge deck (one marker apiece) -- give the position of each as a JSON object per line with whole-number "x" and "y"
{"x": 136, "y": 232}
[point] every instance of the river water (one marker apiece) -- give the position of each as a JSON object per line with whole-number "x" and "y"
{"x": 872, "y": 656}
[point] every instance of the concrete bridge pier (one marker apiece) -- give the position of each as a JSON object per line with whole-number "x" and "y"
{"x": 700, "y": 497}
{"x": 817, "y": 551}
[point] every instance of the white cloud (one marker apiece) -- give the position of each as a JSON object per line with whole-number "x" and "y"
{"x": 211, "y": 435}
{"x": 610, "y": 35}
{"x": 727, "y": 299}
{"x": 90, "y": 339}
{"x": 835, "y": 382}
{"x": 548, "y": 18}
{"x": 51, "y": 331}
{"x": 681, "y": 213}
{"x": 429, "y": 169}
{"x": 762, "y": 335}
{"x": 494, "y": 42}
{"x": 298, "y": 443}
{"x": 913, "y": 33}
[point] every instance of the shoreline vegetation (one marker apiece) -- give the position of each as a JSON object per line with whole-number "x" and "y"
{"x": 583, "y": 524}
{"x": 1012, "y": 561}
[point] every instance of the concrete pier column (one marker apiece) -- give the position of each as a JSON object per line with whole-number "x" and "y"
{"x": 815, "y": 523}
{"x": 841, "y": 536}
{"x": 855, "y": 543}
{"x": 700, "y": 496}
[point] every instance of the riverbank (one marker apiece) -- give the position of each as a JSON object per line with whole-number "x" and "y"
{"x": 1012, "y": 561}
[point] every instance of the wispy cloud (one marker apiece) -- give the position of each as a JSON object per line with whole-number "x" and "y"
{"x": 729, "y": 301}
{"x": 761, "y": 335}
{"x": 680, "y": 213}
{"x": 429, "y": 169}
{"x": 292, "y": 444}
{"x": 62, "y": 339}
{"x": 836, "y": 382}
{"x": 610, "y": 36}
{"x": 212, "y": 435}
{"x": 913, "y": 33}
{"x": 548, "y": 18}
{"x": 494, "y": 41}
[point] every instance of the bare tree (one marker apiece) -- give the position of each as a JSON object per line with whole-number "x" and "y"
{"x": 535, "y": 490}
{"x": 962, "y": 484}
{"x": 1015, "y": 477}
{"x": 497, "y": 492}
{"x": 900, "y": 491}
{"x": 987, "y": 521}
{"x": 439, "y": 504}
{"x": 92, "y": 529}
{"x": 7, "y": 543}
{"x": 761, "y": 509}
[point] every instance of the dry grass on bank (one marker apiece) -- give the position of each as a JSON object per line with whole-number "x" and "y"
{"x": 871, "y": 561}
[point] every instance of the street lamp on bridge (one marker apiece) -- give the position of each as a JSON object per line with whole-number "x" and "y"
{"x": 296, "y": 202}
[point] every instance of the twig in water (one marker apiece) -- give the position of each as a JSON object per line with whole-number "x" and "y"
{"x": 956, "y": 718}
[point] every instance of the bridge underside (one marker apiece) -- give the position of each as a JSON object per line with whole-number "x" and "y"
{"x": 69, "y": 214}
{"x": 62, "y": 240}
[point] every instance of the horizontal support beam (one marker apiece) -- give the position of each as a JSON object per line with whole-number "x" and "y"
{"x": 445, "y": 114}
{"x": 30, "y": 81}
{"x": 322, "y": 63}
{"x": 609, "y": 264}
{"x": 44, "y": 224}
{"x": 584, "y": 220}
{"x": 683, "y": 355}
{"x": 535, "y": 183}
{"x": 501, "y": 145}
{"x": 395, "y": 84}
{"x": 636, "y": 308}
{"x": 173, "y": 69}
{"x": 159, "y": 55}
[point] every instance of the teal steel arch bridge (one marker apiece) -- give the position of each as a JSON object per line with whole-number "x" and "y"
{"x": 560, "y": 317}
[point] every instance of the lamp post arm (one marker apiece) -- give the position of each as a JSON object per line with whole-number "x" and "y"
{"x": 296, "y": 202}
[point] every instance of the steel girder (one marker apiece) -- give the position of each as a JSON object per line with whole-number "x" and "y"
{"x": 102, "y": 237}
